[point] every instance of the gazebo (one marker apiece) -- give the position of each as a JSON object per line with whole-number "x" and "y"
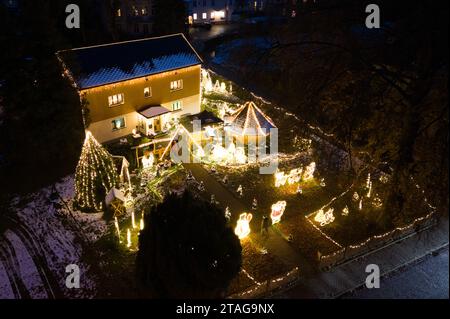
{"x": 250, "y": 122}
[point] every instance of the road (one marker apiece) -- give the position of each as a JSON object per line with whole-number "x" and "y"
{"x": 426, "y": 279}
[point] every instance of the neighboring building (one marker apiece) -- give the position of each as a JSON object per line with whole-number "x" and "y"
{"x": 210, "y": 11}
{"x": 142, "y": 85}
{"x": 129, "y": 17}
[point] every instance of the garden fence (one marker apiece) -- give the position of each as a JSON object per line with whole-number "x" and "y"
{"x": 374, "y": 243}
{"x": 270, "y": 286}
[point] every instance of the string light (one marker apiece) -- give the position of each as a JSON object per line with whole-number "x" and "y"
{"x": 325, "y": 218}
{"x": 128, "y": 238}
{"x": 95, "y": 168}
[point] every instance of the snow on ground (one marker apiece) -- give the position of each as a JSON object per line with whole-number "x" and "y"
{"x": 6, "y": 291}
{"x": 27, "y": 269}
{"x": 58, "y": 234}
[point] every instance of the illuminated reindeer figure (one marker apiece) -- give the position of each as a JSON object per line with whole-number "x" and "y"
{"x": 243, "y": 225}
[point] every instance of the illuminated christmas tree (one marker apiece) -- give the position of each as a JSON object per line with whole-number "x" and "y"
{"x": 95, "y": 175}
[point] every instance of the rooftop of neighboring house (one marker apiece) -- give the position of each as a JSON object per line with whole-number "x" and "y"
{"x": 106, "y": 64}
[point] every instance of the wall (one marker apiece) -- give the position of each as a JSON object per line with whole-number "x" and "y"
{"x": 101, "y": 114}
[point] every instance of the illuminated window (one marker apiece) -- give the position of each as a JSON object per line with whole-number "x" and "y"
{"x": 116, "y": 99}
{"x": 220, "y": 14}
{"x": 118, "y": 124}
{"x": 144, "y": 11}
{"x": 135, "y": 11}
{"x": 176, "y": 106}
{"x": 194, "y": 16}
{"x": 119, "y": 13}
{"x": 212, "y": 15}
{"x": 176, "y": 85}
{"x": 148, "y": 92}
{"x": 204, "y": 16}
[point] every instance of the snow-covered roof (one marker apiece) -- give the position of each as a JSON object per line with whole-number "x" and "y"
{"x": 116, "y": 62}
{"x": 250, "y": 120}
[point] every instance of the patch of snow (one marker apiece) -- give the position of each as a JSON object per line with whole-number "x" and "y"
{"x": 28, "y": 271}
{"x": 6, "y": 291}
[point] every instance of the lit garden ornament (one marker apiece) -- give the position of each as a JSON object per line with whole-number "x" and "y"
{"x": 95, "y": 169}
{"x": 360, "y": 204}
{"x": 133, "y": 220}
{"x": 377, "y": 203}
{"x": 254, "y": 204}
{"x": 240, "y": 191}
{"x": 116, "y": 224}
{"x": 239, "y": 156}
{"x": 309, "y": 172}
{"x": 324, "y": 218}
{"x": 294, "y": 176}
{"x": 201, "y": 187}
{"x": 280, "y": 179}
{"x": 148, "y": 160}
{"x": 277, "y": 211}
{"x": 242, "y": 229}
{"x": 369, "y": 192}
{"x": 223, "y": 88}
{"x": 345, "y": 211}
{"x": 128, "y": 238}
{"x": 213, "y": 199}
{"x": 384, "y": 178}
{"x": 141, "y": 224}
{"x": 322, "y": 182}
{"x": 227, "y": 213}
{"x": 225, "y": 179}
{"x": 355, "y": 197}
{"x": 368, "y": 181}
{"x": 299, "y": 190}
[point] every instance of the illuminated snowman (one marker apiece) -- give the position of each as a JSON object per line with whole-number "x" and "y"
{"x": 242, "y": 229}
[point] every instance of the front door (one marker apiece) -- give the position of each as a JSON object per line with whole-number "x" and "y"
{"x": 157, "y": 124}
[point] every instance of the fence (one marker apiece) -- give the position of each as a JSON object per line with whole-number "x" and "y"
{"x": 270, "y": 286}
{"x": 374, "y": 243}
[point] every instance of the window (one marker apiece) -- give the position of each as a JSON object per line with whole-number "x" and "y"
{"x": 118, "y": 124}
{"x": 146, "y": 29}
{"x": 119, "y": 13}
{"x": 135, "y": 11}
{"x": 212, "y": 15}
{"x": 144, "y": 11}
{"x": 177, "y": 106}
{"x": 194, "y": 16}
{"x": 204, "y": 15}
{"x": 148, "y": 92}
{"x": 116, "y": 99}
{"x": 176, "y": 85}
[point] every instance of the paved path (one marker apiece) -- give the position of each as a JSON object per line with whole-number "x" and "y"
{"x": 274, "y": 242}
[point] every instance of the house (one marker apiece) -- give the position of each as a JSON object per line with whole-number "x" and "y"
{"x": 134, "y": 17}
{"x": 140, "y": 86}
{"x": 210, "y": 11}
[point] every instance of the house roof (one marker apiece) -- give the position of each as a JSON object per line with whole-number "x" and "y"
{"x": 250, "y": 120}
{"x": 116, "y": 62}
{"x": 153, "y": 111}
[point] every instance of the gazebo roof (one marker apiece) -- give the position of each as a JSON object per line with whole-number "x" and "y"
{"x": 250, "y": 120}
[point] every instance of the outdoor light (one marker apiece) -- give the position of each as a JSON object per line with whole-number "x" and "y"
{"x": 277, "y": 211}
{"x": 242, "y": 229}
